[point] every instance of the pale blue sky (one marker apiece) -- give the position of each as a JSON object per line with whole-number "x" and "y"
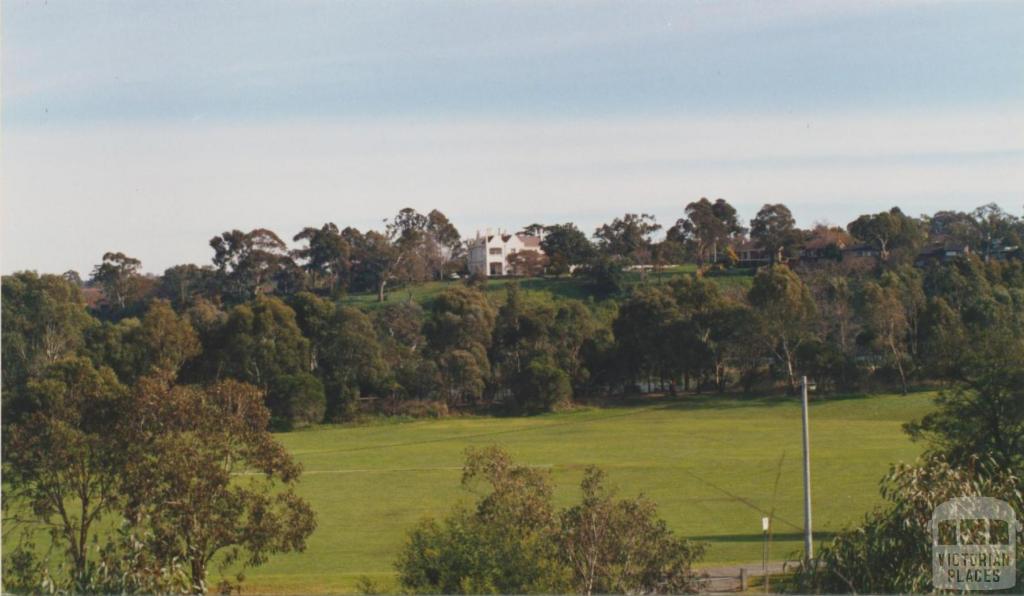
{"x": 150, "y": 127}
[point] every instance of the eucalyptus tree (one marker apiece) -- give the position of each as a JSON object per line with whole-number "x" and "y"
{"x": 775, "y": 229}
{"x": 327, "y": 257}
{"x": 64, "y": 457}
{"x": 459, "y": 329}
{"x": 566, "y": 247}
{"x": 210, "y": 485}
{"x": 248, "y": 262}
{"x": 887, "y": 231}
{"x": 630, "y": 237}
{"x": 44, "y": 320}
{"x": 706, "y": 227}
{"x": 785, "y": 312}
{"x": 118, "y": 275}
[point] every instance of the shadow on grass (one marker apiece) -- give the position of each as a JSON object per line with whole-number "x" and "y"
{"x": 758, "y": 537}
{"x": 726, "y": 401}
{"x": 706, "y": 401}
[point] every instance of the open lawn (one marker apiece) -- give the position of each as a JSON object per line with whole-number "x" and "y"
{"x": 561, "y": 287}
{"x": 709, "y": 462}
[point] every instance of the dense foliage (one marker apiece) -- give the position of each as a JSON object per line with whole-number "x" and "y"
{"x": 853, "y": 309}
{"x": 513, "y": 541}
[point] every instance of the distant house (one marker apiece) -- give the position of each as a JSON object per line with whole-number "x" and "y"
{"x": 860, "y": 251}
{"x": 750, "y": 254}
{"x": 999, "y": 252}
{"x": 488, "y": 253}
{"x": 941, "y": 251}
{"x": 93, "y": 296}
{"x": 824, "y": 244}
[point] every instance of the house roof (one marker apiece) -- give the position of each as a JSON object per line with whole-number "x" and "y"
{"x": 860, "y": 247}
{"x": 824, "y": 239}
{"x": 92, "y": 296}
{"x": 529, "y": 241}
{"x": 746, "y": 244}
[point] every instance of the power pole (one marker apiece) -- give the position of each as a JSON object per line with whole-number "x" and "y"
{"x": 808, "y": 543}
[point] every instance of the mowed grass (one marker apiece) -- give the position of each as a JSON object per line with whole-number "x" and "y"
{"x": 558, "y": 287}
{"x": 708, "y": 462}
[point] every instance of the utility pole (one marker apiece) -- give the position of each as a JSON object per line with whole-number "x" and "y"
{"x": 808, "y": 543}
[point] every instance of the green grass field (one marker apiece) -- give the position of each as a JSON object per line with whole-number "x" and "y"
{"x": 710, "y": 464}
{"x": 563, "y": 287}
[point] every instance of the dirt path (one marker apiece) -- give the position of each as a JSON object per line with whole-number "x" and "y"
{"x": 727, "y": 578}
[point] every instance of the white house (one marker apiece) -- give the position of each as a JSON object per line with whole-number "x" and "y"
{"x": 488, "y": 253}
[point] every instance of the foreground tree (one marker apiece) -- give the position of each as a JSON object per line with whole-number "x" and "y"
{"x": 890, "y": 552}
{"x": 621, "y": 546}
{"x": 983, "y": 414}
{"x": 64, "y": 457}
{"x": 504, "y": 545}
{"x": 213, "y": 484}
{"x": 976, "y": 442}
{"x": 513, "y": 540}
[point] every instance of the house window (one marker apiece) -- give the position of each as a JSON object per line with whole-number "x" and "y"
{"x": 495, "y": 251}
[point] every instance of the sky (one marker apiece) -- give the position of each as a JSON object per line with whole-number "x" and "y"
{"x": 150, "y": 127}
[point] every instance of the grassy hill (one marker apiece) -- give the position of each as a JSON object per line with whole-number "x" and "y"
{"x": 710, "y": 464}
{"x": 561, "y": 287}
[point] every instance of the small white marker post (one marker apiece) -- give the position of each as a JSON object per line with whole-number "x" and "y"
{"x": 808, "y": 543}
{"x": 764, "y": 550}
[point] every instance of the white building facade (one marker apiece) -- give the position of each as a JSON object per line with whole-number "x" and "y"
{"x": 489, "y": 253}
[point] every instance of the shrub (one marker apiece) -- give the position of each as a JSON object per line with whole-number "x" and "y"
{"x": 890, "y": 551}
{"x": 541, "y": 386}
{"x": 513, "y": 540}
{"x": 296, "y": 401}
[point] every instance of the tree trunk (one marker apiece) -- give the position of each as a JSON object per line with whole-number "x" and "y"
{"x": 899, "y": 365}
{"x": 198, "y": 576}
{"x": 789, "y": 366}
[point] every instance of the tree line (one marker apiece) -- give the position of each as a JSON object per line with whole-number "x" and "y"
{"x": 847, "y": 323}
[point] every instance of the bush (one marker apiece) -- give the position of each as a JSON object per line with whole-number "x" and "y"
{"x": 830, "y": 367}
{"x": 541, "y": 386}
{"x": 606, "y": 275}
{"x": 296, "y": 401}
{"x": 890, "y": 552}
{"x": 418, "y": 409}
{"x": 513, "y": 541}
